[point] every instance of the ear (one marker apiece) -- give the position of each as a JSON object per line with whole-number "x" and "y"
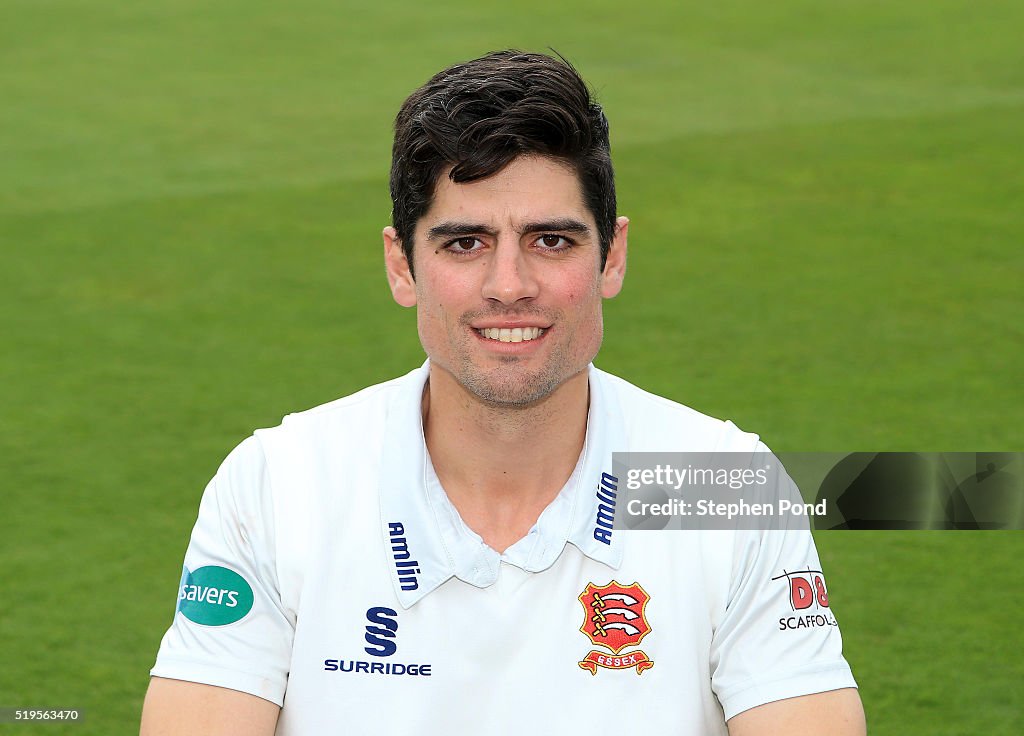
{"x": 615, "y": 263}
{"x": 403, "y": 287}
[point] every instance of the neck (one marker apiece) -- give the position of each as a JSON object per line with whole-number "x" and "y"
{"x": 502, "y": 466}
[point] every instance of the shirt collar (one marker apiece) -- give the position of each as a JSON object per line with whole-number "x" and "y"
{"x": 428, "y": 543}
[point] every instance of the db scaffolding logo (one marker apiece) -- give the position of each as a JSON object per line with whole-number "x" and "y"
{"x": 806, "y": 589}
{"x": 614, "y": 619}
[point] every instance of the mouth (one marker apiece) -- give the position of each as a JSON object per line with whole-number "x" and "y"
{"x": 515, "y": 334}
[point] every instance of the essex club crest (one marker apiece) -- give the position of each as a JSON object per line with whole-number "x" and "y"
{"x": 614, "y": 619}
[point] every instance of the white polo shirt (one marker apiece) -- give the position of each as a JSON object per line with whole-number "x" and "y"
{"x": 329, "y": 573}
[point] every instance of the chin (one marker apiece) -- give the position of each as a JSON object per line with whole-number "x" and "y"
{"x": 519, "y": 392}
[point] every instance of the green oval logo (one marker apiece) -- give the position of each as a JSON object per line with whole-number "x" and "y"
{"x": 214, "y": 596}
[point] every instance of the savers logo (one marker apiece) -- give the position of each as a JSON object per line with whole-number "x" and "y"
{"x": 214, "y": 596}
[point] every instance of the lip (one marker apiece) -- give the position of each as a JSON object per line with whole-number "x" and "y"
{"x": 508, "y": 325}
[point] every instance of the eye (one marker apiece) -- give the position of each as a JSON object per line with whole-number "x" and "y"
{"x": 553, "y": 242}
{"x": 464, "y": 245}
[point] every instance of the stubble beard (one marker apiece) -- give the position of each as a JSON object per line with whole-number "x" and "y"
{"x": 509, "y": 385}
{"x": 506, "y": 387}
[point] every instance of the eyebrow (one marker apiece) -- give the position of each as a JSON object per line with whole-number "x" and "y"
{"x": 457, "y": 229}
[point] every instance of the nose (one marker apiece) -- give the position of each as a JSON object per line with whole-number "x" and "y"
{"x": 509, "y": 275}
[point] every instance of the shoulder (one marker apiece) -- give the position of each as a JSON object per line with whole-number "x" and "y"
{"x": 356, "y": 417}
{"x": 654, "y": 423}
{"x": 316, "y": 464}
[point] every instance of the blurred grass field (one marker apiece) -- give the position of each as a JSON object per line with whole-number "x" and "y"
{"x": 827, "y": 205}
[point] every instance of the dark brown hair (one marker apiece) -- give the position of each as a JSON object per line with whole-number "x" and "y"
{"x": 478, "y": 116}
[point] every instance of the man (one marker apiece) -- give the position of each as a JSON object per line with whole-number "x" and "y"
{"x": 434, "y": 554}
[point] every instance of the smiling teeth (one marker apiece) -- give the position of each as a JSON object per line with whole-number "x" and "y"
{"x": 518, "y": 334}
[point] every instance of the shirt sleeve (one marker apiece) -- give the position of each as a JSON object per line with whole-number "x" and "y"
{"x": 230, "y": 627}
{"x": 778, "y": 637}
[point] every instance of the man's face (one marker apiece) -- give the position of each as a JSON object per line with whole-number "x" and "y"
{"x": 508, "y": 283}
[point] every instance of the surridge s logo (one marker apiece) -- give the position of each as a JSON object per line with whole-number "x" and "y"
{"x": 381, "y": 635}
{"x": 381, "y": 631}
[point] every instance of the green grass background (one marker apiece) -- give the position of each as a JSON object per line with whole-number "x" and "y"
{"x": 826, "y": 204}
